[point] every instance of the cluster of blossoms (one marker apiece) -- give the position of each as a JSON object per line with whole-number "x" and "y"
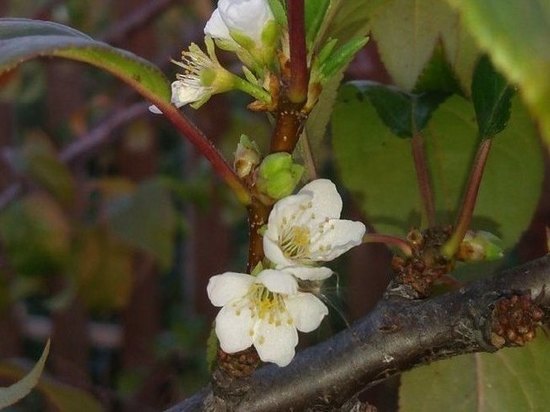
{"x": 303, "y": 231}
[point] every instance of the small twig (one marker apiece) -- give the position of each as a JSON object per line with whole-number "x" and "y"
{"x": 469, "y": 201}
{"x": 423, "y": 178}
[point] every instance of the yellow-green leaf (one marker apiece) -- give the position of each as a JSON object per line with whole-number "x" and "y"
{"x": 20, "y": 389}
{"x": 513, "y": 379}
{"x": 24, "y": 39}
{"x": 516, "y": 34}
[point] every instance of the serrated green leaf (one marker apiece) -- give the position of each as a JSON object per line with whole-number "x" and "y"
{"x": 513, "y": 379}
{"x": 515, "y": 34}
{"x": 146, "y": 219}
{"x": 341, "y": 57}
{"x": 378, "y": 167}
{"x": 24, "y": 39}
{"x": 404, "y": 113}
{"x": 20, "y": 389}
{"x": 492, "y": 97}
{"x": 438, "y": 75}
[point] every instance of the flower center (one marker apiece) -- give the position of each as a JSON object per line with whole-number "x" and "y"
{"x": 267, "y": 305}
{"x": 295, "y": 242}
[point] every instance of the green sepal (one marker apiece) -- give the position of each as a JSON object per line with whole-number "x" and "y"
{"x": 341, "y": 57}
{"x": 279, "y": 12}
{"x": 492, "y": 97}
{"x": 315, "y": 11}
{"x": 257, "y": 269}
{"x": 405, "y": 114}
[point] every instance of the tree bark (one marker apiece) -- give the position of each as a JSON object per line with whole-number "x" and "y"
{"x": 396, "y": 336}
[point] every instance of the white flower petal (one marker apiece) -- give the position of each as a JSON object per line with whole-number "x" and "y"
{"x": 338, "y": 237}
{"x": 278, "y": 282}
{"x": 154, "y": 109}
{"x": 285, "y": 212}
{"x": 228, "y": 286}
{"x": 326, "y": 199}
{"x": 216, "y": 28}
{"x": 246, "y": 16}
{"x": 184, "y": 93}
{"x": 274, "y": 253}
{"x": 307, "y": 311}
{"x": 276, "y": 343}
{"x": 235, "y": 327}
{"x": 309, "y": 272}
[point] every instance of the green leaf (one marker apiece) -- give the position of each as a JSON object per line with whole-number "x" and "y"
{"x": 515, "y": 34}
{"x": 512, "y": 379}
{"x": 20, "y": 389}
{"x": 438, "y": 75}
{"x": 492, "y": 97}
{"x": 38, "y": 160}
{"x": 36, "y": 235}
{"x": 404, "y": 113}
{"x": 23, "y": 39}
{"x": 146, "y": 219}
{"x": 378, "y": 167}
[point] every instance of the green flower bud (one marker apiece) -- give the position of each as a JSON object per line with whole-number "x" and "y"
{"x": 480, "y": 245}
{"x": 279, "y": 175}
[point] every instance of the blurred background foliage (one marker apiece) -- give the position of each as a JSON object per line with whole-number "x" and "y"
{"x": 110, "y": 225}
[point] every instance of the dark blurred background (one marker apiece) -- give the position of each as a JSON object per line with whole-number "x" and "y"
{"x": 111, "y": 224}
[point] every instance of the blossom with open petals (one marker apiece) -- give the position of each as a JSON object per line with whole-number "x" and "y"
{"x": 234, "y": 18}
{"x": 305, "y": 229}
{"x": 265, "y": 311}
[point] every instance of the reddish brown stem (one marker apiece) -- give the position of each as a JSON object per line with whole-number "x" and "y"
{"x": 423, "y": 178}
{"x": 287, "y": 130}
{"x": 470, "y": 198}
{"x": 257, "y": 218}
{"x": 209, "y": 151}
{"x": 299, "y": 74}
{"x": 398, "y": 242}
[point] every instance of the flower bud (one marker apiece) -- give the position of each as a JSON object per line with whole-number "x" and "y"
{"x": 279, "y": 175}
{"x": 480, "y": 245}
{"x": 247, "y": 157}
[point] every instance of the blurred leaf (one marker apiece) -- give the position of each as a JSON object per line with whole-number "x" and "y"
{"x": 512, "y": 379}
{"x": 23, "y": 39}
{"x": 146, "y": 219}
{"x": 405, "y": 114}
{"x": 59, "y": 396}
{"x": 492, "y": 97}
{"x": 378, "y": 167}
{"x": 515, "y": 34}
{"x": 36, "y": 235}
{"x": 38, "y": 160}
{"x": 20, "y": 389}
{"x": 406, "y": 32}
{"x": 104, "y": 270}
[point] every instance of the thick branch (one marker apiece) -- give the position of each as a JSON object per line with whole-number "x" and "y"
{"x": 396, "y": 336}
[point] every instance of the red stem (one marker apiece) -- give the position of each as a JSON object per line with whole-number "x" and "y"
{"x": 398, "y": 242}
{"x": 299, "y": 74}
{"x": 423, "y": 178}
{"x": 208, "y": 150}
{"x": 470, "y": 198}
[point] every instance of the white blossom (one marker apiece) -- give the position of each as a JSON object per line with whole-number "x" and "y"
{"x": 305, "y": 229}
{"x": 265, "y": 311}
{"x": 239, "y": 17}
